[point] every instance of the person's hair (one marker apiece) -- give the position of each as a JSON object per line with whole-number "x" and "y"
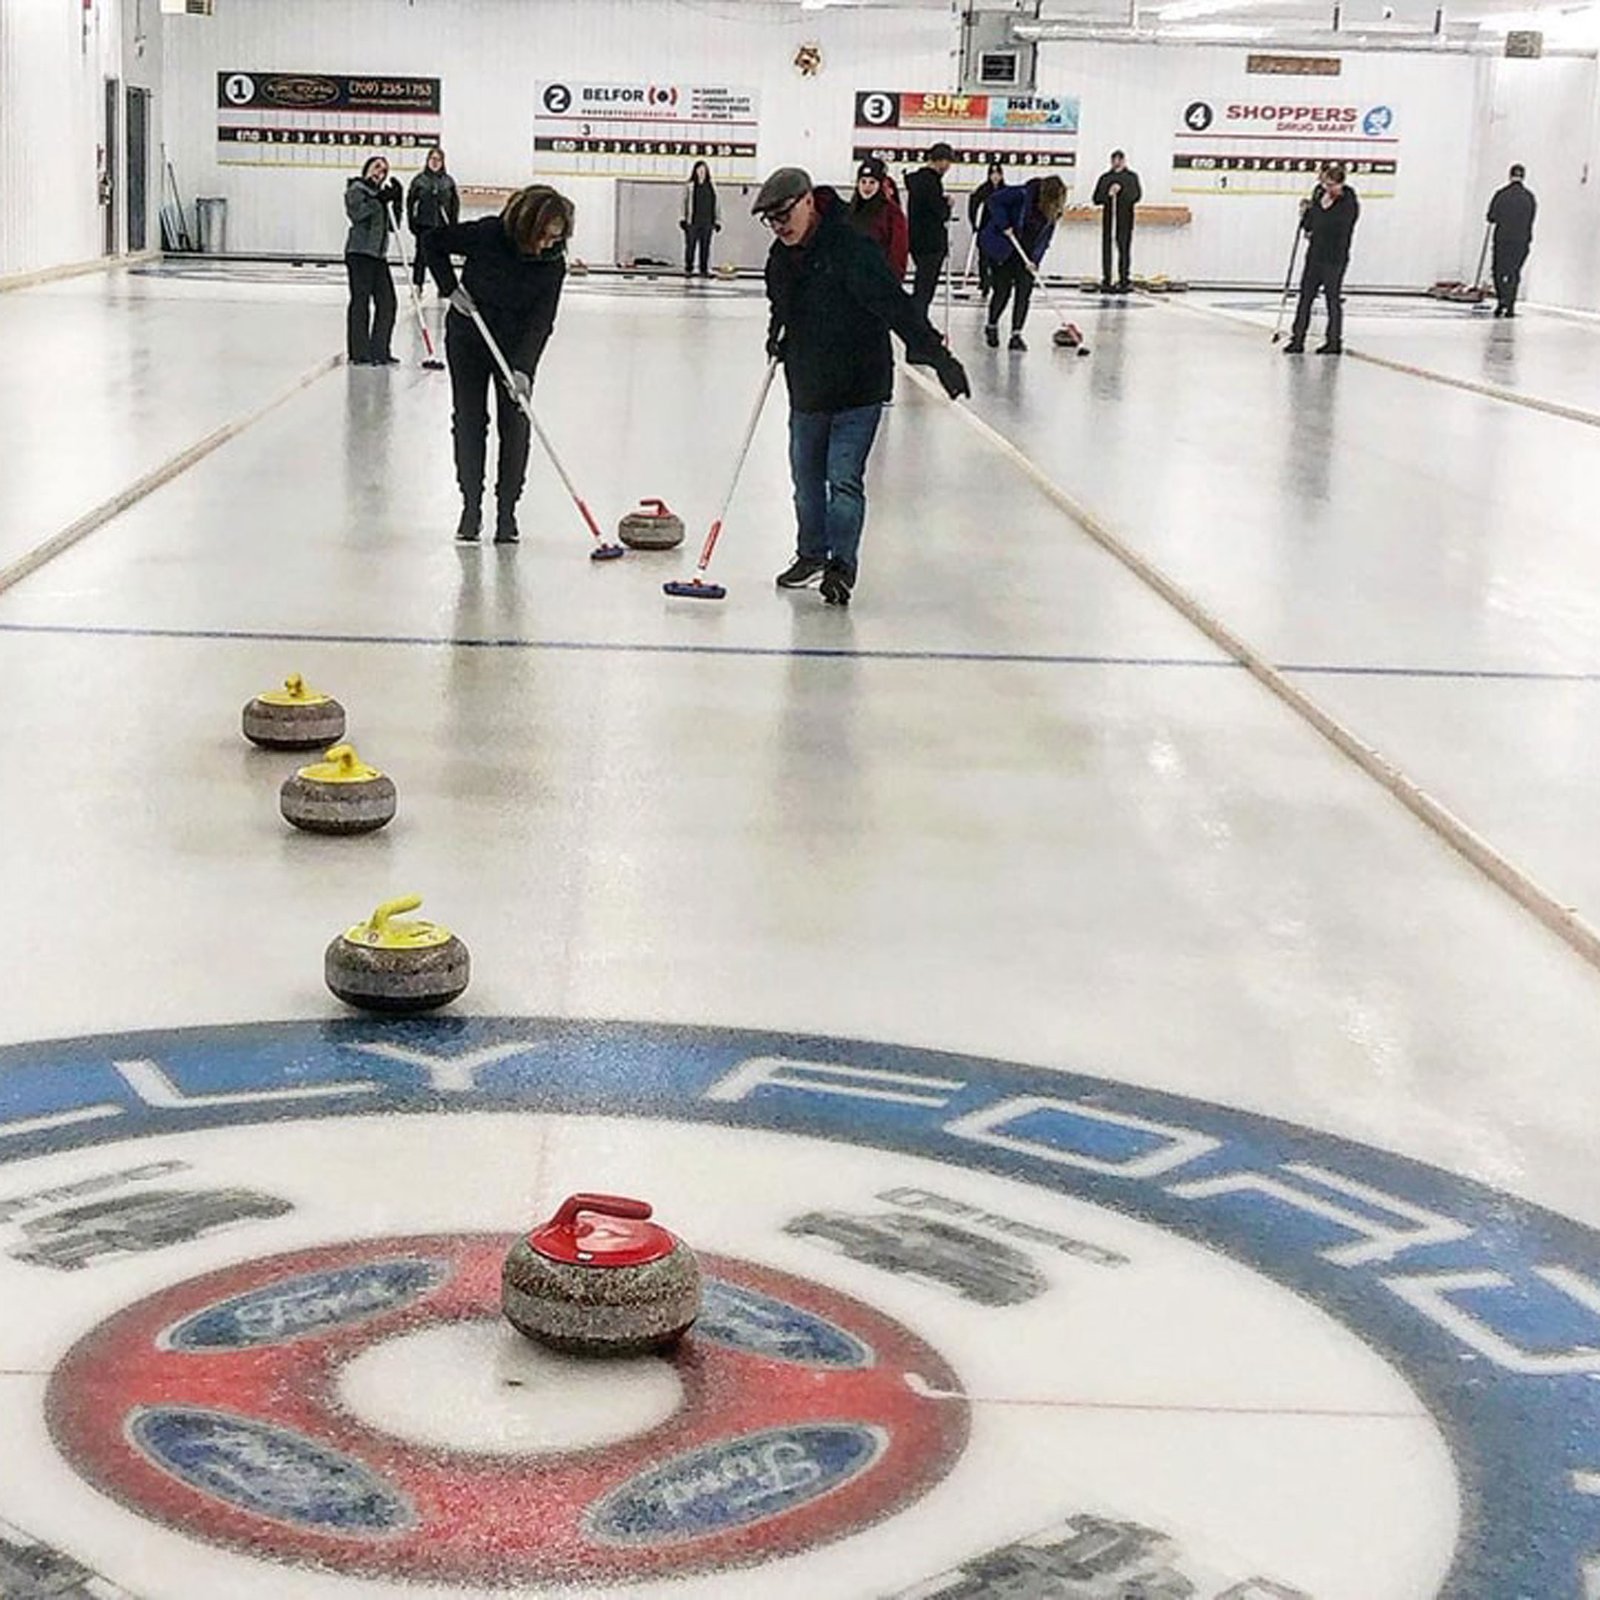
{"x": 941, "y": 152}
{"x": 530, "y": 211}
{"x": 437, "y": 150}
{"x": 1052, "y": 197}
{"x": 1119, "y": 155}
{"x": 994, "y": 167}
{"x": 697, "y": 169}
{"x": 1334, "y": 172}
{"x": 1519, "y": 171}
{"x": 366, "y": 166}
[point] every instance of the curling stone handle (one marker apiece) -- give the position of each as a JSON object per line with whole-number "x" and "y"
{"x": 392, "y": 908}
{"x": 294, "y": 686}
{"x": 656, "y": 507}
{"x": 344, "y": 755}
{"x": 605, "y": 1205}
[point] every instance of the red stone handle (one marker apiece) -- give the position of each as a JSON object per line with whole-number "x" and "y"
{"x": 661, "y": 507}
{"x": 605, "y": 1205}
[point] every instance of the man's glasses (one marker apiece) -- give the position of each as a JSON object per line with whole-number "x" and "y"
{"x": 778, "y": 220}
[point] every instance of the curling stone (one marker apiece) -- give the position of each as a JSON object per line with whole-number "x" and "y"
{"x": 600, "y": 1279}
{"x": 384, "y": 964}
{"x": 652, "y": 527}
{"x": 294, "y": 717}
{"x": 1068, "y": 336}
{"x": 339, "y": 794}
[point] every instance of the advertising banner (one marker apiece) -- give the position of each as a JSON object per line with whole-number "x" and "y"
{"x": 320, "y": 119}
{"x": 1277, "y": 147}
{"x": 644, "y": 130}
{"x": 1020, "y": 131}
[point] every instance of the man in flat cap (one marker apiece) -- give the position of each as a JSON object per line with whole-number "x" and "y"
{"x": 833, "y": 303}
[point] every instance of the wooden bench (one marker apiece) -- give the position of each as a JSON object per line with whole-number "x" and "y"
{"x": 1143, "y": 216}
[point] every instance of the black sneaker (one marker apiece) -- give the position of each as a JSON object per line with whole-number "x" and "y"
{"x": 802, "y": 571}
{"x": 836, "y": 586}
{"x": 505, "y": 526}
{"x": 991, "y": 336}
{"x": 470, "y": 525}
{"x": 1016, "y": 342}
{"x": 1294, "y": 348}
{"x": 385, "y": 361}
{"x": 1330, "y": 349}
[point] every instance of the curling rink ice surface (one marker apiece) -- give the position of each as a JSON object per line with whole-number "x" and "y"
{"x": 1132, "y": 1156}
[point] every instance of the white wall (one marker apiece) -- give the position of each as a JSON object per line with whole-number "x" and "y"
{"x": 54, "y": 58}
{"x": 1457, "y": 115}
{"x": 489, "y": 54}
{"x": 1543, "y": 114}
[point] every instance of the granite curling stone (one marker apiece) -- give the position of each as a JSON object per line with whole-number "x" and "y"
{"x": 339, "y": 794}
{"x": 294, "y": 717}
{"x": 398, "y": 967}
{"x": 652, "y": 527}
{"x": 1068, "y": 336}
{"x": 600, "y": 1279}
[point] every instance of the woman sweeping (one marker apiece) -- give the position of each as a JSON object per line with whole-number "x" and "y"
{"x": 515, "y": 264}
{"x": 1022, "y": 217}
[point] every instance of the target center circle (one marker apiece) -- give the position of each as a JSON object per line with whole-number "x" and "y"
{"x": 480, "y": 1388}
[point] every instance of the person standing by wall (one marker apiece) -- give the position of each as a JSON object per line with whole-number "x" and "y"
{"x": 369, "y": 322}
{"x": 432, "y": 201}
{"x": 875, "y": 211}
{"x": 1328, "y": 220}
{"x": 1117, "y": 192}
{"x": 833, "y": 301}
{"x": 1512, "y": 212}
{"x": 515, "y": 265}
{"x": 928, "y": 222}
{"x": 1027, "y": 212}
{"x": 977, "y": 203}
{"x": 702, "y": 217}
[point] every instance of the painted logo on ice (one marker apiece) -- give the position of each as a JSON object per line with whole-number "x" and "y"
{"x": 735, "y": 1483}
{"x": 268, "y": 1470}
{"x": 301, "y": 1306}
{"x": 748, "y": 1320}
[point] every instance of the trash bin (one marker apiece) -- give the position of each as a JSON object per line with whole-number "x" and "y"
{"x": 211, "y": 221}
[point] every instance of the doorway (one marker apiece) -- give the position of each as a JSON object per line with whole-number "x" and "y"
{"x": 108, "y": 170}
{"x": 138, "y": 131}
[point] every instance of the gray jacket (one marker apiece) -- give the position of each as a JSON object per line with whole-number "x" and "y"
{"x": 369, "y": 220}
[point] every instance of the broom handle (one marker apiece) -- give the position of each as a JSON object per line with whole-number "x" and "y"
{"x": 738, "y": 468}
{"x": 526, "y": 406}
{"x": 411, "y": 284}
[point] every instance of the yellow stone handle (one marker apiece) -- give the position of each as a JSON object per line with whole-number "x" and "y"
{"x": 379, "y": 919}
{"x": 295, "y": 687}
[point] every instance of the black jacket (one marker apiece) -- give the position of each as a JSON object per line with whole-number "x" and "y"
{"x": 432, "y": 201}
{"x": 1131, "y": 193}
{"x": 1329, "y": 228}
{"x": 833, "y": 302}
{"x": 1512, "y": 212}
{"x": 516, "y": 294}
{"x": 928, "y": 212}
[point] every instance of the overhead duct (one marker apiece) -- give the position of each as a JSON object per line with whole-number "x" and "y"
{"x": 1327, "y": 41}
{"x": 995, "y": 58}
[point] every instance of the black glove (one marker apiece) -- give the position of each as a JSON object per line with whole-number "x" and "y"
{"x": 775, "y": 347}
{"x": 951, "y": 375}
{"x": 683, "y": 226}
{"x": 716, "y": 227}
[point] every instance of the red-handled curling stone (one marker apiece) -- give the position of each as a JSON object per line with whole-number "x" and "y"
{"x": 654, "y": 526}
{"x": 601, "y": 1279}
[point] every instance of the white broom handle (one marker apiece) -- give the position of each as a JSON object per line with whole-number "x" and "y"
{"x": 749, "y": 436}
{"x": 526, "y": 405}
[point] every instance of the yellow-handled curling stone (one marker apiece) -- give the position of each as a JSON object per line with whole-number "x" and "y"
{"x": 652, "y": 527}
{"x": 295, "y": 717}
{"x": 386, "y": 964}
{"x": 339, "y": 794}
{"x": 601, "y": 1279}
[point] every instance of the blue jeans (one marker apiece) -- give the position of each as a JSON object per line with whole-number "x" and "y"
{"x": 828, "y": 461}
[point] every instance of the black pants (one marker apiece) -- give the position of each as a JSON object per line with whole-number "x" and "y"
{"x": 925, "y": 284}
{"x": 472, "y": 373}
{"x": 1328, "y": 277}
{"x": 1509, "y": 255}
{"x": 370, "y": 320}
{"x": 697, "y": 242}
{"x": 1008, "y": 277}
{"x": 1123, "y": 238}
{"x": 419, "y": 262}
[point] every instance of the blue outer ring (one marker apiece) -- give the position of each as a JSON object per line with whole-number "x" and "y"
{"x": 1517, "y": 1438}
